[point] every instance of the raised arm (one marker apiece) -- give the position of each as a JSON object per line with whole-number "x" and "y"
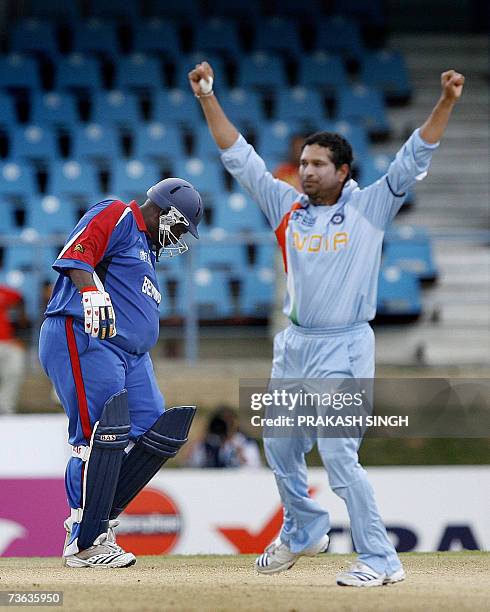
{"x": 452, "y": 87}
{"x": 223, "y": 131}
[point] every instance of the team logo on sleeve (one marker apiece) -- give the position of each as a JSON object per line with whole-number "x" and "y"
{"x": 80, "y": 248}
{"x": 337, "y": 218}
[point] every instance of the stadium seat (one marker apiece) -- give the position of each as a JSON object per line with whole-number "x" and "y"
{"x": 339, "y": 35}
{"x": 16, "y": 179}
{"x": 95, "y": 36}
{"x": 27, "y": 284}
{"x": 364, "y": 105}
{"x": 266, "y": 255}
{"x": 187, "y": 10}
{"x": 33, "y": 36}
{"x": 50, "y": 215}
{"x": 78, "y": 72}
{"x": 116, "y": 108}
{"x": 273, "y": 138}
{"x": 371, "y": 168}
{"x": 53, "y": 9}
{"x": 212, "y": 294}
{"x": 18, "y": 72}
{"x": 242, "y": 107}
{"x": 95, "y": 142}
{"x": 72, "y": 178}
{"x": 410, "y": 248}
{"x": 305, "y": 10}
{"x": 237, "y": 213}
{"x": 156, "y": 36}
{"x": 8, "y": 113}
{"x": 7, "y": 218}
{"x": 176, "y": 106}
{"x": 221, "y": 255}
{"x": 33, "y": 142}
{"x": 356, "y": 135}
{"x": 133, "y": 178}
{"x": 158, "y": 141}
{"x": 399, "y": 293}
{"x": 238, "y": 9}
{"x": 366, "y": 12}
{"x": 322, "y": 71}
{"x": 386, "y": 70}
{"x": 299, "y": 104}
{"x": 257, "y": 292}
{"x": 204, "y": 146}
{"x": 217, "y": 35}
{"x": 205, "y": 175}
{"x": 277, "y": 35}
{"x": 261, "y": 71}
{"x": 114, "y": 9}
{"x": 54, "y": 108}
{"x": 139, "y": 72}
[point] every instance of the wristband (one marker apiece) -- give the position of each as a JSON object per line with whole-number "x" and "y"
{"x": 93, "y": 288}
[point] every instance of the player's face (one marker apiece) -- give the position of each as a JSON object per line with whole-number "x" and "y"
{"x": 318, "y": 174}
{"x": 177, "y": 230}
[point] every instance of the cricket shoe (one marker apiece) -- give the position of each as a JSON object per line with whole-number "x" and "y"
{"x": 361, "y": 575}
{"x": 277, "y": 557}
{"x": 103, "y": 553}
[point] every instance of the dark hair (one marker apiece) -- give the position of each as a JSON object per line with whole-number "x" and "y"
{"x": 338, "y": 145}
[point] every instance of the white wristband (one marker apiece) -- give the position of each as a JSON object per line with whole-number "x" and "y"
{"x": 206, "y": 86}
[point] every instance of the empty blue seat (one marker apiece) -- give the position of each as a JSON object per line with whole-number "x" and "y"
{"x": 95, "y": 36}
{"x": 413, "y": 233}
{"x": 356, "y": 135}
{"x": 8, "y": 114}
{"x": 242, "y": 106}
{"x": 298, "y": 10}
{"x": 238, "y": 9}
{"x": 266, "y": 255}
{"x": 156, "y": 36}
{"x": 366, "y": 12}
{"x": 299, "y": 104}
{"x": 205, "y": 146}
{"x": 410, "y": 248}
{"x": 114, "y": 9}
{"x": 205, "y": 175}
{"x": 54, "y": 108}
{"x": 221, "y": 255}
{"x": 339, "y": 35}
{"x": 217, "y": 35}
{"x": 257, "y": 292}
{"x": 212, "y": 293}
{"x": 116, "y": 108}
{"x": 323, "y": 71}
{"x": 176, "y": 106}
{"x": 273, "y": 138}
{"x": 18, "y": 72}
{"x": 16, "y": 179}
{"x": 139, "y": 71}
{"x": 53, "y": 9}
{"x": 277, "y": 34}
{"x": 187, "y": 10}
{"x": 387, "y": 71}
{"x": 236, "y": 213}
{"x": 399, "y": 293}
{"x": 262, "y": 71}
{"x": 50, "y": 215}
{"x": 133, "y": 178}
{"x": 7, "y": 218}
{"x": 364, "y": 105}
{"x": 33, "y": 36}
{"x": 184, "y": 65}
{"x": 158, "y": 141}
{"x": 78, "y": 71}
{"x": 95, "y": 141}
{"x": 371, "y": 168}
{"x": 33, "y": 142}
{"x": 72, "y": 178}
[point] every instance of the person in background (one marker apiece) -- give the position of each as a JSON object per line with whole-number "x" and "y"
{"x": 223, "y": 445}
{"x": 288, "y": 171}
{"x": 12, "y": 350}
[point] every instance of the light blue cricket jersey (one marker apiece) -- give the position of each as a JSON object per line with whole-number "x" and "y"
{"x": 332, "y": 254}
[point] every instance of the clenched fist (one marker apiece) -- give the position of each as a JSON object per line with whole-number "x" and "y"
{"x": 100, "y": 320}
{"x": 201, "y": 79}
{"x": 452, "y": 85}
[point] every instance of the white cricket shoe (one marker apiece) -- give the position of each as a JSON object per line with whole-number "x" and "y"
{"x": 277, "y": 557}
{"x": 361, "y": 575}
{"x": 103, "y": 553}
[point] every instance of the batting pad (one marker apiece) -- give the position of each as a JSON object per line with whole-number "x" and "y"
{"x": 109, "y": 439}
{"x": 161, "y": 442}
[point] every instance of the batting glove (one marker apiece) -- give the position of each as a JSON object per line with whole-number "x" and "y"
{"x": 100, "y": 320}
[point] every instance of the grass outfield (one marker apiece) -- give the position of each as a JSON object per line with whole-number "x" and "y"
{"x": 436, "y": 581}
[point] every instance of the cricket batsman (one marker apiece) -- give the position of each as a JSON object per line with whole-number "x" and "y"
{"x": 101, "y": 322}
{"x": 330, "y": 236}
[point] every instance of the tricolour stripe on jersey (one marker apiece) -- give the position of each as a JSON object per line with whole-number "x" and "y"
{"x": 281, "y": 232}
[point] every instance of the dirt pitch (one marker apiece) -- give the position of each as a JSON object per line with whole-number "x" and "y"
{"x": 441, "y": 581}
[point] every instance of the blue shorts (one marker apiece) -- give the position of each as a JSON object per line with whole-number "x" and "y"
{"x": 86, "y": 372}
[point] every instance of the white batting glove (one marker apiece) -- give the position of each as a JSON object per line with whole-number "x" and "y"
{"x": 100, "y": 319}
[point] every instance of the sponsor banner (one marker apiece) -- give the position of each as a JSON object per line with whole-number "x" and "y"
{"x": 238, "y": 511}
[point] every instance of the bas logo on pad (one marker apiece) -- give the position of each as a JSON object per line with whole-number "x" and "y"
{"x": 80, "y": 248}
{"x": 150, "y": 525}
